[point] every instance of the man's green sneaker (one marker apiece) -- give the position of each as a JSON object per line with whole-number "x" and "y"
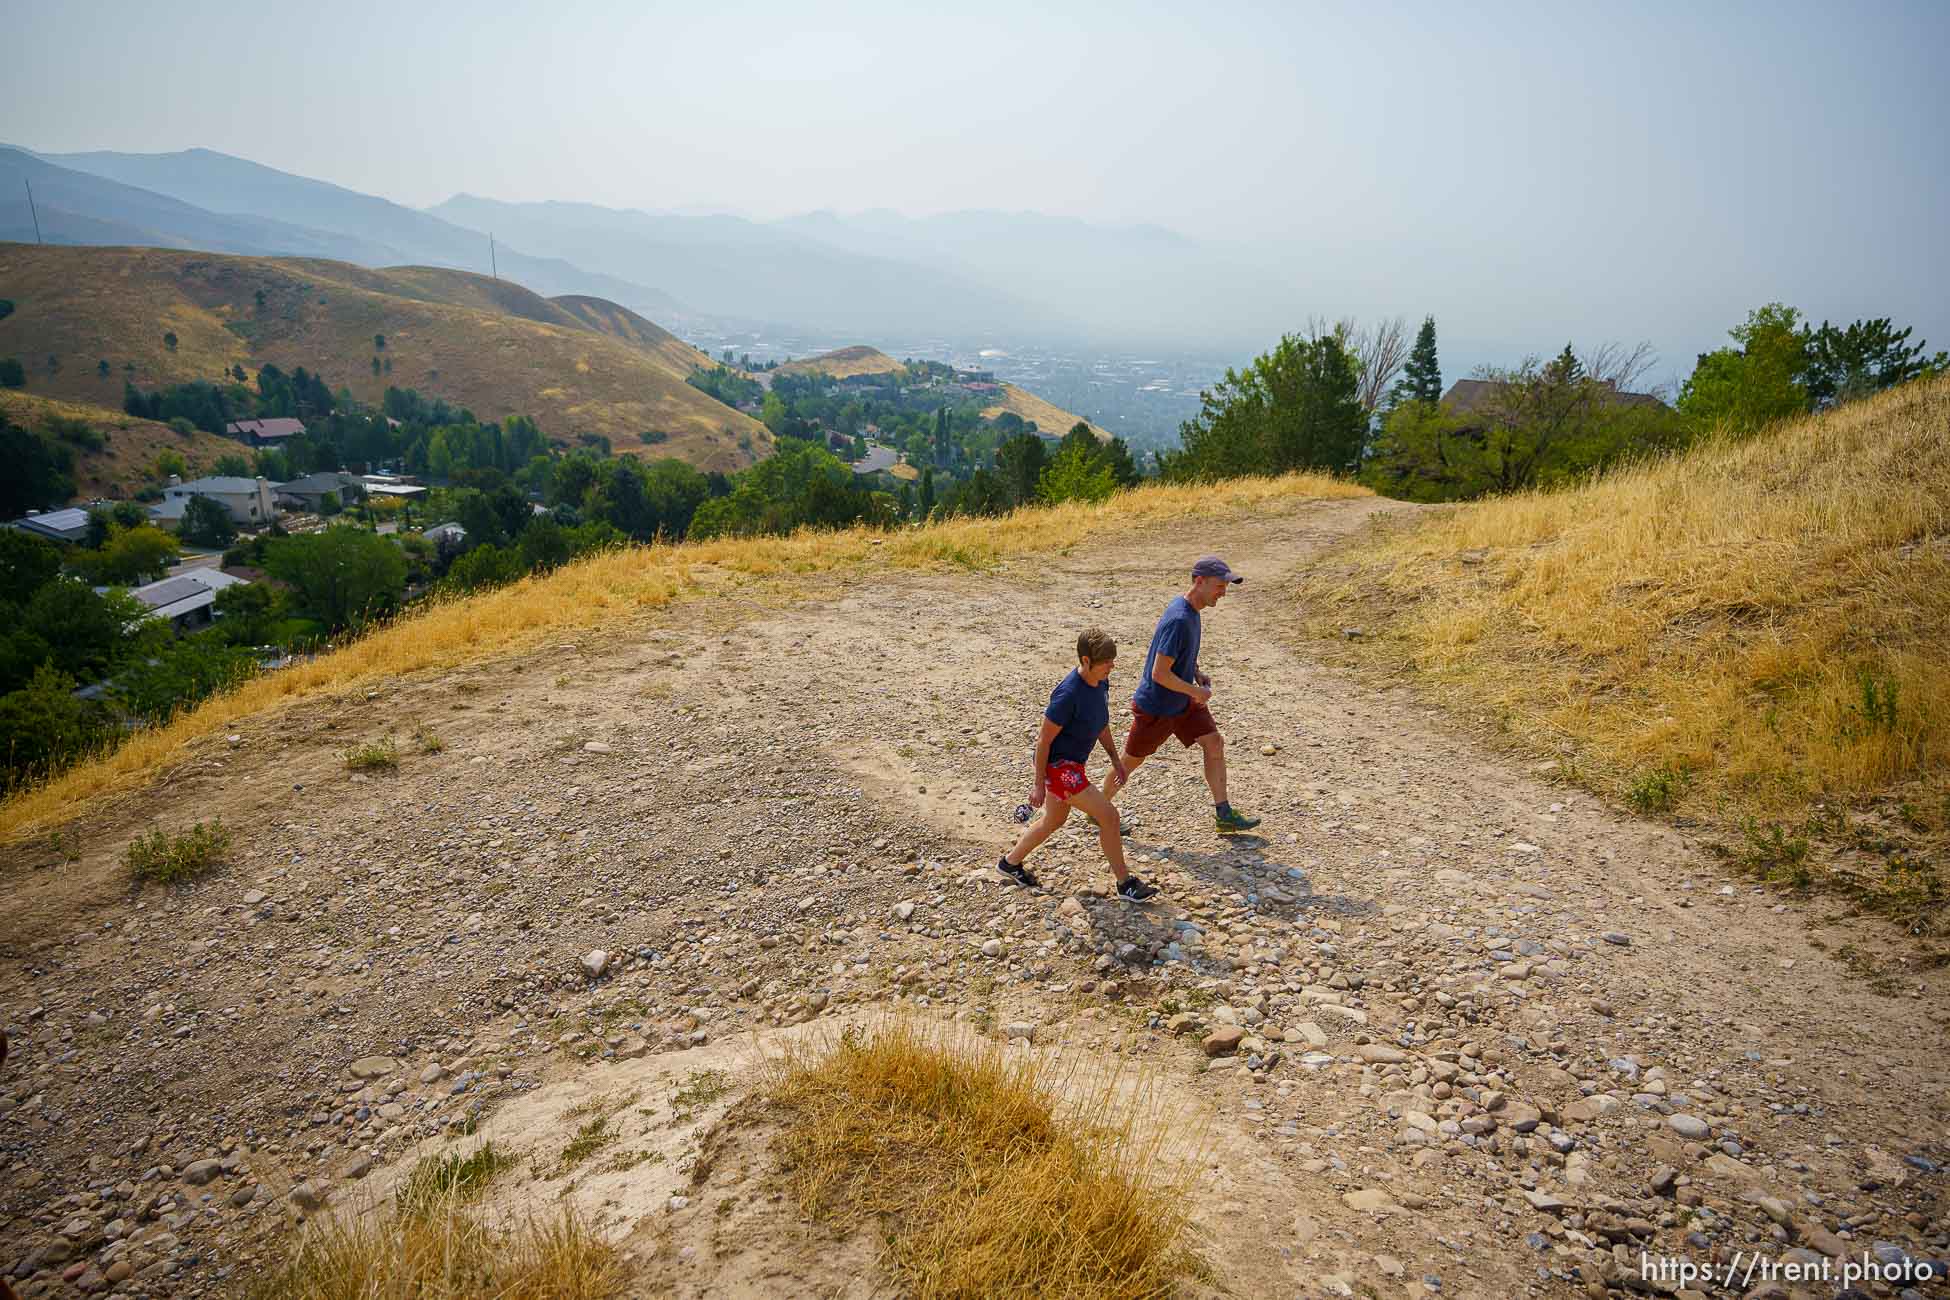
{"x": 1231, "y": 822}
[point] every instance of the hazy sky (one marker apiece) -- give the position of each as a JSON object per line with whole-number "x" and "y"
{"x": 1528, "y": 172}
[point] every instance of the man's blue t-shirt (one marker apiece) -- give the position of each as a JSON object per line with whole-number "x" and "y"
{"x": 1083, "y": 711}
{"x": 1177, "y": 636}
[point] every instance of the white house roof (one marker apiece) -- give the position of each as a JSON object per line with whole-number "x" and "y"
{"x": 62, "y": 525}
{"x": 185, "y": 593}
{"x": 216, "y": 485}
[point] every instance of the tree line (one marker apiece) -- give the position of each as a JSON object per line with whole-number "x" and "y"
{"x": 1344, "y": 400}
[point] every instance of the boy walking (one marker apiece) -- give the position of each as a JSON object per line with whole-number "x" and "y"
{"x": 1076, "y": 721}
{"x": 1171, "y": 699}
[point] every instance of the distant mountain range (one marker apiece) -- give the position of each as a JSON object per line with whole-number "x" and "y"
{"x": 959, "y": 276}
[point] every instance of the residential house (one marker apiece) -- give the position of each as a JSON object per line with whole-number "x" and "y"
{"x": 392, "y": 485}
{"x": 266, "y": 433}
{"x": 247, "y": 499}
{"x": 448, "y": 539}
{"x": 70, "y": 525}
{"x": 309, "y": 492}
{"x": 187, "y": 600}
{"x": 1473, "y": 396}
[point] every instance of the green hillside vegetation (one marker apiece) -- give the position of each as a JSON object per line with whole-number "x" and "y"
{"x": 114, "y": 454}
{"x": 162, "y": 317}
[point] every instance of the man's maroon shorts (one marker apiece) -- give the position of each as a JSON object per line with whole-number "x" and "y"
{"x": 1148, "y": 731}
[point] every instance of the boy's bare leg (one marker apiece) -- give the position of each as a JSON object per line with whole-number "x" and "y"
{"x": 1214, "y": 748}
{"x": 1093, "y": 801}
{"x": 1055, "y": 813}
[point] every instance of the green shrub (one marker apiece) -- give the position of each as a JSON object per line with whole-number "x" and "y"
{"x": 167, "y": 858}
{"x": 1657, "y": 790}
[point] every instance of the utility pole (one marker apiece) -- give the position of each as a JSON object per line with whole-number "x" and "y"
{"x": 493, "y": 266}
{"x": 34, "y": 210}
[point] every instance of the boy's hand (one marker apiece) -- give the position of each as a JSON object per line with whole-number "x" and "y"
{"x": 1202, "y": 680}
{"x": 1117, "y": 766}
{"x": 1201, "y": 692}
{"x": 1036, "y": 796}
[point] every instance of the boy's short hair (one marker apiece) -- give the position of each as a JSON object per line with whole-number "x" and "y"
{"x": 1095, "y": 646}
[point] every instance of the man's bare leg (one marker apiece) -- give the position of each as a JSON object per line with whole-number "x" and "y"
{"x": 1214, "y": 747}
{"x": 1112, "y": 785}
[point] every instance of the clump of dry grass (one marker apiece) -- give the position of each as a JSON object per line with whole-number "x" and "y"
{"x": 380, "y": 755}
{"x": 976, "y": 1181}
{"x": 443, "y": 1252}
{"x": 611, "y": 587}
{"x": 1741, "y": 633}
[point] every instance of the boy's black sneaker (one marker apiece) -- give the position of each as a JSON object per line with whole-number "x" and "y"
{"x": 1133, "y": 890}
{"x": 1021, "y": 875}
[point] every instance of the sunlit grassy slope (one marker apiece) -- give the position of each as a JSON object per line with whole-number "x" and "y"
{"x": 844, "y": 363}
{"x": 1049, "y": 417}
{"x": 605, "y": 590}
{"x": 1756, "y": 632}
{"x": 485, "y": 344}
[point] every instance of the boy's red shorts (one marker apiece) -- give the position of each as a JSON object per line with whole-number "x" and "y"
{"x": 1062, "y": 780}
{"x": 1149, "y": 731}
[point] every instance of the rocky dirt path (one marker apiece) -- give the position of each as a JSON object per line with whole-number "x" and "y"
{"x": 1462, "y": 1031}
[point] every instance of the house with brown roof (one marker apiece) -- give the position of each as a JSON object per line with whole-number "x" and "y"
{"x": 265, "y": 433}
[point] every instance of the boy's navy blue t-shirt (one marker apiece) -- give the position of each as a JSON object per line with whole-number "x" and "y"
{"x": 1177, "y": 636}
{"x": 1083, "y": 711}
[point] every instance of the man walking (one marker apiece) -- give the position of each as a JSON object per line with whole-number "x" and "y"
{"x": 1172, "y": 694}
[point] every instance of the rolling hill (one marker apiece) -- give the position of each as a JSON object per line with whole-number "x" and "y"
{"x": 842, "y": 363}
{"x": 127, "y": 457}
{"x": 489, "y": 345}
{"x": 1049, "y": 417}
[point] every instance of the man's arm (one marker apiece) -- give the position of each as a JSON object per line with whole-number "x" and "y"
{"x": 1044, "y": 740}
{"x": 1162, "y": 674}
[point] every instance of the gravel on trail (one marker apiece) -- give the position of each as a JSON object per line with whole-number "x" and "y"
{"x": 1494, "y": 1037}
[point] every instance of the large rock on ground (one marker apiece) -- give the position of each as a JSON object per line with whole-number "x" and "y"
{"x": 373, "y": 1067}
{"x": 1223, "y": 1040}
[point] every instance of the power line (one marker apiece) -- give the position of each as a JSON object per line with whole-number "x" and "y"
{"x": 34, "y": 210}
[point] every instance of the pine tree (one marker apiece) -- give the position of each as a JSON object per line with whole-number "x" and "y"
{"x": 1565, "y": 368}
{"x": 1421, "y": 379}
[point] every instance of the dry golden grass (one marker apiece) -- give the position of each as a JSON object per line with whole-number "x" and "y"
{"x": 441, "y": 1251}
{"x": 489, "y": 345}
{"x": 1741, "y": 633}
{"x": 978, "y": 1181}
{"x": 128, "y": 459}
{"x": 1049, "y": 417}
{"x": 844, "y": 363}
{"x": 608, "y": 588}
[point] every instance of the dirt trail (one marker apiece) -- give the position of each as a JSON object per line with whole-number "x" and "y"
{"x": 1501, "y": 1039}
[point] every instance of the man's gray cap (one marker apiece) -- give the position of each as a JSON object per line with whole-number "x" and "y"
{"x": 1211, "y": 566}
